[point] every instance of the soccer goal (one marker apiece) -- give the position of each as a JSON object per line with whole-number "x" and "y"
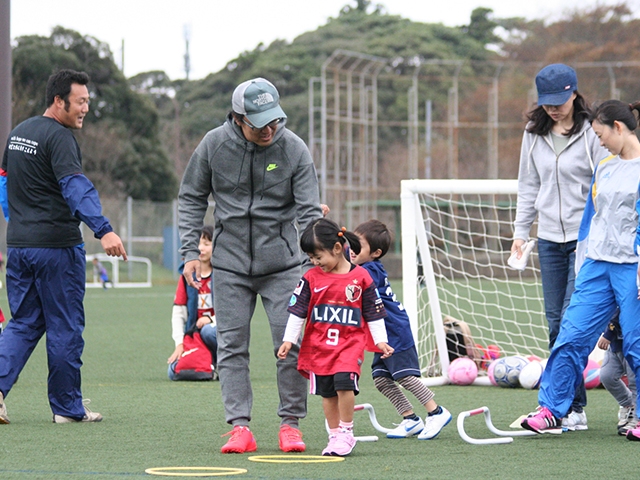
{"x": 456, "y": 239}
{"x": 134, "y": 273}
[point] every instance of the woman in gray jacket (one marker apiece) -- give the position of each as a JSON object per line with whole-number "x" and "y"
{"x": 558, "y": 153}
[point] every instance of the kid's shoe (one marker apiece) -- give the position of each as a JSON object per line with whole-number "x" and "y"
{"x": 542, "y": 421}
{"x": 575, "y": 421}
{"x": 328, "y": 451}
{"x": 634, "y": 434}
{"x": 433, "y": 424}
{"x": 407, "y": 428}
{"x": 290, "y": 439}
{"x": 343, "y": 445}
{"x": 3, "y": 411}
{"x": 89, "y": 416}
{"x": 241, "y": 441}
{"x": 631, "y": 422}
{"x": 625, "y": 416}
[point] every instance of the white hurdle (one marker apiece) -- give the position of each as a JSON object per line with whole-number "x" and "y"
{"x": 503, "y": 436}
{"x": 374, "y": 421}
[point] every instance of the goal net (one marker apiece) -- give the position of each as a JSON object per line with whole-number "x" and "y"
{"x": 456, "y": 238}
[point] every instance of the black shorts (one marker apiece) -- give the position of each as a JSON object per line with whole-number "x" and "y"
{"x": 398, "y": 365}
{"x": 327, "y": 386}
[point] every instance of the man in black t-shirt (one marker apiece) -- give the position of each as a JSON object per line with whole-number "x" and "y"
{"x": 44, "y": 196}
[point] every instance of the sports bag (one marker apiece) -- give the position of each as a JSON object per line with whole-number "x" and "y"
{"x": 195, "y": 362}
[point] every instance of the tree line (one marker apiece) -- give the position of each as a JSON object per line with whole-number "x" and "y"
{"x": 142, "y": 130}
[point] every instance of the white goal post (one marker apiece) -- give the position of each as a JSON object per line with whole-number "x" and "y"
{"x": 456, "y": 237}
{"x": 139, "y": 275}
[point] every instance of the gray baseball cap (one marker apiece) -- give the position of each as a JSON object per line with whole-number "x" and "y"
{"x": 258, "y": 100}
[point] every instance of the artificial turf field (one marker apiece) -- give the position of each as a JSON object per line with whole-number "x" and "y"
{"x": 150, "y": 421}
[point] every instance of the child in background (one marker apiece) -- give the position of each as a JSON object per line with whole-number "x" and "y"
{"x": 403, "y": 367}
{"x": 614, "y": 367}
{"x": 339, "y": 301}
{"x": 193, "y": 309}
{"x": 101, "y": 272}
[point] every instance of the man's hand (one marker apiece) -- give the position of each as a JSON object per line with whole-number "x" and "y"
{"x": 191, "y": 269}
{"x": 112, "y": 245}
{"x": 325, "y": 209}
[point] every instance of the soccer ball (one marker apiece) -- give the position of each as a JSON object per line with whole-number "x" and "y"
{"x": 530, "y": 375}
{"x": 507, "y": 370}
{"x": 463, "y": 371}
{"x": 591, "y": 374}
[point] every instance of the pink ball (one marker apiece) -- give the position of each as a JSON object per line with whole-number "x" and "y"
{"x": 463, "y": 371}
{"x": 591, "y": 374}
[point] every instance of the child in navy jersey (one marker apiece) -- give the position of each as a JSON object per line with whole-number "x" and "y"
{"x": 403, "y": 368}
{"x": 342, "y": 309}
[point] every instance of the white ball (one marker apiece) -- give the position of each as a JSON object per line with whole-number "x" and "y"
{"x": 507, "y": 370}
{"x": 463, "y": 371}
{"x": 530, "y": 375}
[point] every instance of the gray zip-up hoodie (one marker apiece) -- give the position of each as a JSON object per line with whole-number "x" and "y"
{"x": 260, "y": 194}
{"x": 555, "y": 187}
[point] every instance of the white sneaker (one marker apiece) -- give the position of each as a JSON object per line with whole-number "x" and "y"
{"x": 575, "y": 421}
{"x": 627, "y": 419}
{"x": 89, "y": 416}
{"x": 3, "y": 411}
{"x": 433, "y": 424}
{"x": 407, "y": 428}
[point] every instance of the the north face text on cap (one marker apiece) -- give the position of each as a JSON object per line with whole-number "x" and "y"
{"x": 263, "y": 99}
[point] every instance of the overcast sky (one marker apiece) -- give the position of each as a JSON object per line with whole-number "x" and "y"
{"x": 153, "y": 31}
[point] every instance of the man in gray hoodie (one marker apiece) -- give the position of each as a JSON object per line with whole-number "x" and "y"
{"x": 265, "y": 188}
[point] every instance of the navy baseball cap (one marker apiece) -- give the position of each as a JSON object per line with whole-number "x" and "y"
{"x": 258, "y": 100}
{"x": 555, "y": 84}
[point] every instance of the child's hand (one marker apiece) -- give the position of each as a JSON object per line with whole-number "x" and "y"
{"x": 202, "y": 321}
{"x": 177, "y": 353}
{"x": 387, "y": 350}
{"x": 284, "y": 350}
{"x": 603, "y": 343}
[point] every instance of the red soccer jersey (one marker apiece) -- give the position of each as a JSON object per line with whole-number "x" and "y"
{"x": 205, "y": 299}
{"x": 337, "y": 307}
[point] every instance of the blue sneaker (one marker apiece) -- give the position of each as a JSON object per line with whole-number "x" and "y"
{"x": 407, "y": 428}
{"x": 434, "y": 424}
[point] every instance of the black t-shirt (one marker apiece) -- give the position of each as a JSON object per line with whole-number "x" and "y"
{"x": 40, "y": 151}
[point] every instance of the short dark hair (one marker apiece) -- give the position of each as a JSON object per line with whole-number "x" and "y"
{"x": 376, "y": 234}
{"x": 207, "y": 232}
{"x": 59, "y": 84}
{"x": 323, "y": 235}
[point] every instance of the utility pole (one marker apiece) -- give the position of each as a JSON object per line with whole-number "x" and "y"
{"x": 5, "y": 70}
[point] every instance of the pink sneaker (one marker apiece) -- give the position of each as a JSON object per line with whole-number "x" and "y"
{"x": 328, "y": 451}
{"x": 634, "y": 434}
{"x": 342, "y": 445}
{"x": 542, "y": 421}
{"x": 290, "y": 439}
{"x": 241, "y": 441}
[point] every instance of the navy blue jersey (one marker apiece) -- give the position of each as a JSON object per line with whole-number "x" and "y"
{"x": 397, "y": 320}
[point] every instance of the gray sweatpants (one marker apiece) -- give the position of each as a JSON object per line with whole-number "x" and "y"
{"x": 235, "y": 301}
{"x": 614, "y": 366}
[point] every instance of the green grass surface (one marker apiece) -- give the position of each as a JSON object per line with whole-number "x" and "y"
{"x": 150, "y": 421}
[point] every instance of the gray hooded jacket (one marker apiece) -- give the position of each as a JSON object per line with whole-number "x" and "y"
{"x": 262, "y": 196}
{"x": 555, "y": 187}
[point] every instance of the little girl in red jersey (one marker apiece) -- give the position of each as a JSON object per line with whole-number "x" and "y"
{"x": 342, "y": 309}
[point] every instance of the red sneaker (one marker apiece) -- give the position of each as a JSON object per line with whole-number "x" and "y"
{"x": 291, "y": 439}
{"x": 241, "y": 441}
